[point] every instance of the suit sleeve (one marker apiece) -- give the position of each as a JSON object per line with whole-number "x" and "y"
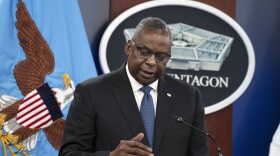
{"x": 80, "y": 131}
{"x": 198, "y": 145}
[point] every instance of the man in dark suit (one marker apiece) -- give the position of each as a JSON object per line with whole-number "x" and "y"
{"x": 106, "y": 115}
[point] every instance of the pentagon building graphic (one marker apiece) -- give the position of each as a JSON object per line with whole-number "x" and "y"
{"x": 194, "y": 48}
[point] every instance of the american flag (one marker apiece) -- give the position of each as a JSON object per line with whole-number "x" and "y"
{"x": 38, "y": 109}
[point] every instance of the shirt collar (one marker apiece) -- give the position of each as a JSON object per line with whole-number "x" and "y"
{"x": 136, "y": 85}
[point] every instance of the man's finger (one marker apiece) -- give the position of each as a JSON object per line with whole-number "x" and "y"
{"x": 136, "y": 142}
{"x": 138, "y": 137}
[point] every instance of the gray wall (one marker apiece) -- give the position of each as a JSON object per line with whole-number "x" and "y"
{"x": 95, "y": 14}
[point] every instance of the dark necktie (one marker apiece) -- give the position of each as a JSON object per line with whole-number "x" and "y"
{"x": 147, "y": 113}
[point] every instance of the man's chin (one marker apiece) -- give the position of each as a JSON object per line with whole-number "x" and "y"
{"x": 146, "y": 81}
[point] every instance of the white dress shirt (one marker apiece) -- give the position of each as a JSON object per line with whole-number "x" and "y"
{"x": 138, "y": 94}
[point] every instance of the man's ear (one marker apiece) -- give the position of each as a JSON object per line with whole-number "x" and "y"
{"x": 127, "y": 47}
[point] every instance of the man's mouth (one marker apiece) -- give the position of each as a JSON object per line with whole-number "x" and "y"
{"x": 147, "y": 74}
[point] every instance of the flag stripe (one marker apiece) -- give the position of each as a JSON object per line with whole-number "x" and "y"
{"x": 44, "y": 124}
{"x": 30, "y": 120}
{"x": 27, "y": 104}
{"x": 33, "y": 93}
{"x": 34, "y": 120}
{"x": 40, "y": 108}
{"x": 33, "y": 115}
{"x": 32, "y": 108}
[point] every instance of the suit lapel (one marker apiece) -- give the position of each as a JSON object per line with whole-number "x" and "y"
{"x": 126, "y": 100}
{"x": 162, "y": 112}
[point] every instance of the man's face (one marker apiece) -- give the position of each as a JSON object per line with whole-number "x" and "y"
{"x": 147, "y": 70}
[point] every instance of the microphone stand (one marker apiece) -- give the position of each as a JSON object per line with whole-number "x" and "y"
{"x": 180, "y": 120}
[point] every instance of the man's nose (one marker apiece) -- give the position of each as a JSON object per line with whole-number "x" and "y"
{"x": 152, "y": 60}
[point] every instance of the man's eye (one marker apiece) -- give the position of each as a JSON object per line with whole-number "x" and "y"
{"x": 144, "y": 52}
{"x": 160, "y": 57}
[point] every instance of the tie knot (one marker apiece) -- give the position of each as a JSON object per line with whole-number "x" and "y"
{"x": 146, "y": 89}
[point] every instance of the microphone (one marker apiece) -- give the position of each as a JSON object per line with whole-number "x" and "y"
{"x": 179, "y": 119}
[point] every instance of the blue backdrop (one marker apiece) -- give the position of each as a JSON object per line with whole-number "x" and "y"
{"x": 256, "y": 114}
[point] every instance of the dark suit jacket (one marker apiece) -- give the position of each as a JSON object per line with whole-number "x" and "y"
{"x": 104, "y": 111}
